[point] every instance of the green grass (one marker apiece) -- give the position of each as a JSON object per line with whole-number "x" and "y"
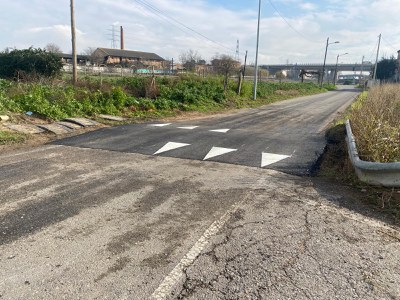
{"x": 141, "y": 97}
{"x": 9, "y": 137}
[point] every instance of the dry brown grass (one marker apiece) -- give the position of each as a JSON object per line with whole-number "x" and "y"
{"x": 375, "y": 120}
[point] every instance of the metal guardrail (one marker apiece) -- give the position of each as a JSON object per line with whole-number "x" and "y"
{"x": 374, "y": 173}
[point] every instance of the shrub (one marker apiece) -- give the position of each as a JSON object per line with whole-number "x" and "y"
{"x": 29, "y": 63}
{"x": 194, "y": 90}
{"x": 126, "y": 96}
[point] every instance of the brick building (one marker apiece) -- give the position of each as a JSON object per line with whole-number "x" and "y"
{"x": 128, "y": 58}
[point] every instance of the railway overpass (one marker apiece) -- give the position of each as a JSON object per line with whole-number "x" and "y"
{"x": 293, "y": 70}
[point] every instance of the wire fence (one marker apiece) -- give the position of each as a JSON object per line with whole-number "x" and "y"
{"x": 104, "y": 70}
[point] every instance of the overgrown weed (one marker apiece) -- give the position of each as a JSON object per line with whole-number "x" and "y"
{"x": 141, "y": 97}
{"x": 375, "y": 121}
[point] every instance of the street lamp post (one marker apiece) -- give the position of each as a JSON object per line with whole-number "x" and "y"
{"x": 256, "y": 63}
{"x": 326, "y": 51}
{"x": 337, "y": 60}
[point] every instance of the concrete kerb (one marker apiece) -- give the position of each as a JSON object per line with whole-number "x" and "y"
{"x": 374, "y": 173}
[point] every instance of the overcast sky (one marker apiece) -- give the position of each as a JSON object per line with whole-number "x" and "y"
{"x": 292, "y": 31}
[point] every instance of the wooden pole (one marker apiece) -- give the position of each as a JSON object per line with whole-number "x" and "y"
{"x": 74, "y": 56}
{"x": 244, "y": 67}
{"x": 242, "y": 73}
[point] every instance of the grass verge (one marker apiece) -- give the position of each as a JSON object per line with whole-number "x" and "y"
{"x": 336, "y": 166}
{"x": 375, "y": 121}
{"x": 10, "y": 137}
{"x": 141, "y": 97}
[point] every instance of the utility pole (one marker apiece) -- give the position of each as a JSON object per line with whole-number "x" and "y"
{"x": 361, "y": 71}
{"x": 242, "y": 74}
{"x": 323, "y": 67}
{"x": 74, "y": 58}
{"x": 256, "y": 63}
{"x": 376, "y": 60}
{"x": 244, "y": 67}
{"x": 326, "y": 51}
{"x": 362, "y": 66}
{"x": 336, "y": 66}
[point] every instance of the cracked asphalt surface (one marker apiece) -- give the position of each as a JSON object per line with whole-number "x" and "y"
{"x": 88, "y": 223}
{"x": 92, "y": 224}
{"x": 295, "y": 245}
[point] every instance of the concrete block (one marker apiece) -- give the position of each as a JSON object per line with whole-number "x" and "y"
{"x": 25, "y": 128}
{"x": 82, "y": 121}
{"x": 4, "y": 118}
{"x": 55, "y": 128}
{"x": 112, "y": 118}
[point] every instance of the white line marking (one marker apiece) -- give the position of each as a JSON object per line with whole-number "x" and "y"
{"x": 160, "y": 125}
{"x": 271, "y": 158}
{"x": 188, "y": 127}
{"x": 164, "y": 289}
{"x": 216, "y": 151}
{"x": 220, "y": 130}
{"x": 170, "y": 146}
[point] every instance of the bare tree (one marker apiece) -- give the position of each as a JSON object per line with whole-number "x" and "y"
{"x": 225, "y": 65}
{"x": 95, "y": 58}
{"x": 189, "y": 59}
{"x": 52, "y": 48}
{"x": 7, "y": 50}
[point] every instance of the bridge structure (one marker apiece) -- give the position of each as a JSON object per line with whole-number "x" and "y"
{"x": 293, "y": 70}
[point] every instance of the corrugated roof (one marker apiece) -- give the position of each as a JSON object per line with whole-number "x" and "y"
{"x": 69, "y": 56}
{"x": 131, "y": 54}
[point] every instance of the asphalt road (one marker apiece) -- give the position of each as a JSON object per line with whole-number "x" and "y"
{"x": 89, "y": 223}
{"x": 286, "y": 136}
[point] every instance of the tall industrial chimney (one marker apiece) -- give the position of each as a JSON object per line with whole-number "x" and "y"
{"x": 122, "y": 38}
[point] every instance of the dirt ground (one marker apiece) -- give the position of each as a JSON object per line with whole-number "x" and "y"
{"x": 336, "y": 169}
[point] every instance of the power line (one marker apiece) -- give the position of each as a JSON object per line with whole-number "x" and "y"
{"x": 167, "y": 17}
{"x": 154, "y": 11}
{"x": 287, "y": 22}
{"x": 371, "y": 56}
{"x": 390, "y": 44}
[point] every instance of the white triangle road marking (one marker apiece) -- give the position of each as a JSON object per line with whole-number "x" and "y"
{"x": 271, "y": 158}
{"x": 170, "y": 146}
{"x": 160, "y": 125}
{"x": 216, "y": 151}
{"x": 188, "y": 127}
{"x": 220, "y": 130}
